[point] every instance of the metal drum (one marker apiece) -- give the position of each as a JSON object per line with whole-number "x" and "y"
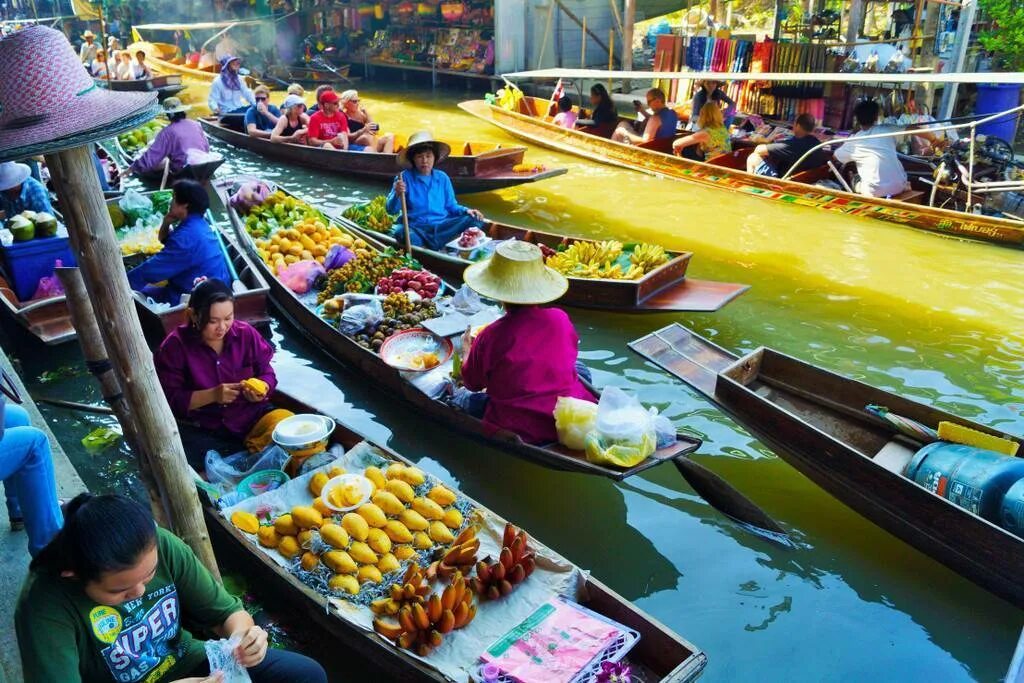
{"x": 1011, "y": 516}
{"x": 973, "y": 478}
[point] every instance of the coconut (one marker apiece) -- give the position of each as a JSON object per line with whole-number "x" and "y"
{"x": 30, "y": 215}
{"x": 46, "y": 225}
{"x": 22, "y": 228}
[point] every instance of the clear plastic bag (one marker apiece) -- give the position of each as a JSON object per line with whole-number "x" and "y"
{"x": 221, "y": 656}
{"x": 623, "y": 433}
{"x": 574, "y": 419}
{"x": 299, "y": 277}
{"x": 355, "y": 319}
{"x": 135, "y": 206}
{"x": 664, "y": 431}
{"x": 225, "y": 472}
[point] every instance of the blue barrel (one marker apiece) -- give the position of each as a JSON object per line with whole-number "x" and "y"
{"x": 1011, "y": 516}
{"x": 973, "y": 478}
{"x": 994, "y": 98}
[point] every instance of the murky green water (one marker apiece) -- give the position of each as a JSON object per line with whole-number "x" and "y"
{"x": 935, "y": 319}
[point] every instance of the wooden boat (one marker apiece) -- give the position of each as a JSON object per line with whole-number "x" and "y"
{"x": 166, "y": 59}
{"x": 726, "y": 172}
{"x": 815, "y": 420}
{"x": 307, "y": 75}
{"x": 46, "y": 319}
{"x": 485, "y": 167}
{"x": 164, "y": 85}
{"x": 665, "y": 289}
{"x": 201, "y": 173}
{"x": 660, "y": 654}
{"x": 392, "y": 381}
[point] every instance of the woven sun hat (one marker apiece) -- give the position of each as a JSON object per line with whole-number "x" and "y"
{"x": 173, "y": 105}
{"x": 292, "y": 101}
{"x": 421, "y": 139}
{"x": 13, "y": 174}
{"x": 88, "y": 34}
{"x": 48, "y": 102}
{"x": 516, "y": 274}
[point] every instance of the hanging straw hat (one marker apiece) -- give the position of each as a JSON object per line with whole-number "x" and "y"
{"x": 173, "y": 105}
{"x": 516, "y": 274}
{"x": 49, "y": 103}
{"x": 422, "y": 139}
{"x": 13, "y": 174}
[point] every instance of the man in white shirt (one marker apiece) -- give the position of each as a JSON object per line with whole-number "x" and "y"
{"x": 229, "y": 94}
{"x": 881, "y": 173}
{"x": 87, "y": 52}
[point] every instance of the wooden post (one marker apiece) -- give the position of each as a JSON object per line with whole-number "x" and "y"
{"x": 628, "y": 21}
{"x": 856, "y": 20}
{"x": 611, "y": 54}
{"x": 95, "y": 354}
{"x": 583, "y": 45}
{"x": 92, "y": 235}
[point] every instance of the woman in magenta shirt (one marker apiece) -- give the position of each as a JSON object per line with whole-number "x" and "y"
{"x": 526, "y": 359}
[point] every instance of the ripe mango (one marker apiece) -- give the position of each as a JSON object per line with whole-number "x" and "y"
{"x": 335, "y": 471}
{"x": 369, "y": 573}
{"x": 334, "y": 536}
{"x": 404, "y": 552}
{"x": 378, "y": 541}
{"x": 285, "y": 525}
{"x": 344, "y": 583}
{"x": 413, "y": 476}
{"x": 267, "y": 536}
{"x": 304, "y": 538}
{"x": 373, "y": 515}
{"x": 245, "y": 521}
{"x": 452, "y": 518}
{"x": 339, "y": 561}
{"x": 421, "y": 541}
{"x": 388, "y": 502}
{"x": 440, "y": 533}
{"x": 441, "y": 495}
{"x": 401, "y": 490}
{"x": 321, "y": 507}
{"x": 388, "y": 563}
{"x": 394, "y": 470}
{"x": 307, "y": 517}
{"x": 309, "y": 561}
{"x": 398, "y": 532}
{"x": 428, "y": 508}
{"x": 356, "y": 526}
{"x": 362, "y": 554}
{"x": 376, "y": 476}
{"x": 413, "y": 520}
{"x": 316, "y": 483}
{"x": 256, "y": 386}
{"x": 289, "y": 547}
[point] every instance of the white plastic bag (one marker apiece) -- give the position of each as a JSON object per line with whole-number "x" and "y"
{"x": 664, "y": 430}
{"x": 225, "y": 472}
{"x": 623, "y": 433}
{"x": 221, "y": 656}
{"x": 358, "y": 318}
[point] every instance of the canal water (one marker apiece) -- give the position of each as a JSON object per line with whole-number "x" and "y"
{"x": 935, "y": 319}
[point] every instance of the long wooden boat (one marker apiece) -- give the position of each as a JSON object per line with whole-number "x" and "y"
{"x": 201, "y": 173}
{"x": 46, "y": 319}
{"x": 816, "y": 421}
{"x": 1015, "y": 674}
{"x": 166, "y": 59}
{"x": 478, "y": 168}
{"x": 665, "y": 289}
{"x": 307, "y": 75}
{"x": 164, "y": 85}
{"x": 728, "y": 174}
{"x": 389, "y": 380}
{"x": 660, "y": 654}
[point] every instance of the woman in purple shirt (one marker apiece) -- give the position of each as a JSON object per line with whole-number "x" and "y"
{"x": 201, "y": 367}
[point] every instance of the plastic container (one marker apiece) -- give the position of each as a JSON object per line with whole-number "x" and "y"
{"x": 975, "y": 479}
{"x": 26, "y": 262}
{"x": 994, "y": 98}
{"x": 303, "y": 435}
{"x": 344, "y": 480}
{"x": 261, "y": 482}
{"x": 1011, "y": 512}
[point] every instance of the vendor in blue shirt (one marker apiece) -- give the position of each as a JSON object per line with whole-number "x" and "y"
{"x": 192, "y": 250}
{"x": 261, "y": 117}
{"x": 19, "y": 191}
{"x": 435, "y": 218}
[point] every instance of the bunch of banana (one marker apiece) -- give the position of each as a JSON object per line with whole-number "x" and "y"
{"x": 459, "y": 558}
{"x": 647, "y": 257}
{"x": 516, "y": 562}
{"x": 586, "y": 259}
{"x": 411, "y": 590}
{"x": 372, "y": 215}
{"x": 421, "y": 627}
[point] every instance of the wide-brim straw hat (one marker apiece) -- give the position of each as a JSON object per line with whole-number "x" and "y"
{"x": 13, "y": 174}
{"x": 173, "y": 105}
{"x": 516, "y": 274}
{"x": 423, "y": 138}
{"x": 50, "y": 103}
{"x": 88, "y": 34}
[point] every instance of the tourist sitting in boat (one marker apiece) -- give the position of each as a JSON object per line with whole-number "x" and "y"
{"x": 113, "y": 48}
{"x": 879, "y": 171}
{"x": 711, "y": 138}
{"x": 123, "y": 71}
{"x": 296, "y": 89}
{"x": 229, "y": 94}
{"x": 293, "y": 124}
{"x": 19, "y": 191}
{"x": 110, "y": 597}
{"x": 603, "y": 117}
{"x": 26, "y": 467}
{"x": 88, "y": 49}
{"x": 191, "y": 250}
{"x": 566, "y": 117}
{"x": 776, "y": 159}
{"x": 140, "y": 70}
{"x": 262, "y": 117}
{"x": 98, "y": 68}
{"x": 526, "y": 359}
{"x": 709, "y": 91}
{"x": 328, "y": 128}
{"x": 435, "y": 217}
{"x": 320, "y": 90}
{"x": 201, "y": 366}
{"x": 362, "y": 130}
{"x": 660, "y": 123}
{"x": 172, "y": 142}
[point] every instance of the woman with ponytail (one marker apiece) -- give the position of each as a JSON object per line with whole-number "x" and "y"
{"x": 106, "y": 600}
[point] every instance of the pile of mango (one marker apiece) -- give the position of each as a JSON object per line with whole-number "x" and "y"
{"x": 278, "y": 211}
{"x": 373, "y": 215}
{"x": 405, "y": 515}
{"x": 134, "y": 141}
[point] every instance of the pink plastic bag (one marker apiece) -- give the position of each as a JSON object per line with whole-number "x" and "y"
{"x": 49, "y": 285}
{"x": 299, "y": 277}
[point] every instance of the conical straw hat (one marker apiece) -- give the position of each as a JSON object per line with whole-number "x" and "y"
{"x": 516, "y": 274}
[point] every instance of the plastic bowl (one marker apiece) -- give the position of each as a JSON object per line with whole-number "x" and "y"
{"x": 303, "y": 434}
{"x": 399, "y": 349}
{"x": 262, "y": 481}
{"x": 343, "y": 480}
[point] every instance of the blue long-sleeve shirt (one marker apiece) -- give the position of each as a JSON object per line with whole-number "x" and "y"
{"x": 191, "y": 251}
{"x": 33, "y": 197}
{"x": 430, "y": 198}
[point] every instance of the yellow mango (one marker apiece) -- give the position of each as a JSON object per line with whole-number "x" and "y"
{"x": 441, "y": 495}
{"x": 394, "y": 470}
{"x": 388, "y": 502}
{"x": 306, "y": 517}
{"x": 256, "y": 386}
{"x": 289, "y": 547}
{"x": 404, "y": 552}
{"x": 388, "y": 563}
{"x": 373, "y": 515}
{"x": 398, "y": 532}
{"x": 413, "y": 476}
{"x": 339, "y": 561}
{"x": 335, "y": 471}
{"x": 440, "y": 533}
{"x": 285, "y": 526}
{"x": 335, "y": 536}
{"x": 452, "y": 518}
{"x": 316, "y": 483}
{"x": 309, "y": 561}
{"x": 413, "y": 520}
{"x": 245, "y": 521}
{"x": 379, "y": 541}
{"x": 320, "y": 506}
{"x": 428, "y": 508}
{"x": 376, "y": 476}
{"x": 304, "y": 538}
{"x": 356, "y": 526}
{"x": 344, "y": 583}
{"x": 369, "y": 573}
{"x": 401, "y": 490}
{"x": 421, "y": 541}
{"x": 268, "y": 537}
{"x": 362, "y": 554}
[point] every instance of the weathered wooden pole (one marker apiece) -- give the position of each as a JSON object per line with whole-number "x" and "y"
{"x": 99, "y": 257}
{"x": 98, "y": 363}
{"x": 628, "y": 20}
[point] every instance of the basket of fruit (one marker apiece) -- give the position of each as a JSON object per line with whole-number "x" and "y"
{"x": 416, "y": 350}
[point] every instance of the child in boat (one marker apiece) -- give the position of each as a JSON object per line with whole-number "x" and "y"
{"x": 435, "y": 217}
{"x": 107, "y": 598}
{"x": 566, "y": 117}
{"x": 527, "y": 359}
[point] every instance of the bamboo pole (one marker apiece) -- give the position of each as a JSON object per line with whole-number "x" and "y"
{"x": 92, "y": 235}
{"x": 96, "y": 360}
{"x": 583, "y": 45}
{"x": 628, "y": 21}
{"x": 611, "y": 54}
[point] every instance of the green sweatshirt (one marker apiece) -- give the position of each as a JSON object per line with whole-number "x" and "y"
{"x": 65, "y": 636}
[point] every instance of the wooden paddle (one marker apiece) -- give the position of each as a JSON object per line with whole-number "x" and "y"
{"x": 405, "y": 225}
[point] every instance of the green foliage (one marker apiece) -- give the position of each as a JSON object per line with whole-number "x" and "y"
{"x": 1006, "y": 37}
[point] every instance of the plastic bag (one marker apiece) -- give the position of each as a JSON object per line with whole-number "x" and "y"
{"x": 574, "y": 419}
{"x": 464, "y": 301}
{"x": 355, "y": 319}
{"x": 299, "y": 277}
{"x": 221, "y": 656}
{"x": 135, "y": 206}
{"x": 664, "y": 431}
{"x": 623, "y": 433}
{"x": 225, "y": 472}
{"x": 337, "y": 256}
{"x": 49, "y": 285}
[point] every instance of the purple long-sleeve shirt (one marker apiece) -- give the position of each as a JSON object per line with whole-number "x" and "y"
{"x": 185, "y": 364}
{"x": 174, "y": 141}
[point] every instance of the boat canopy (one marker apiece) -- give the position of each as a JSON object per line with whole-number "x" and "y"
{"x": 864, "y": 78}
{"x": 198, "y": 26}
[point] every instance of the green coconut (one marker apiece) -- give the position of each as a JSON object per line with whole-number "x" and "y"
{"x": 30, "y": 215}
{"x": 46, "y": 225}
{"x": 22, "y": 228}
{"x": 116, "y": 215}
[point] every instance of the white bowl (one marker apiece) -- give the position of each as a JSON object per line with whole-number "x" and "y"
{"x": 343, "y": 480}
{"x": 302, "y": 431}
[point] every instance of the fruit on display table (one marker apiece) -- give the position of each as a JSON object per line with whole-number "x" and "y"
{"x": 606, "y": 260}
{"x": 22, "y": 228}
{"x": 373, "y": 215}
